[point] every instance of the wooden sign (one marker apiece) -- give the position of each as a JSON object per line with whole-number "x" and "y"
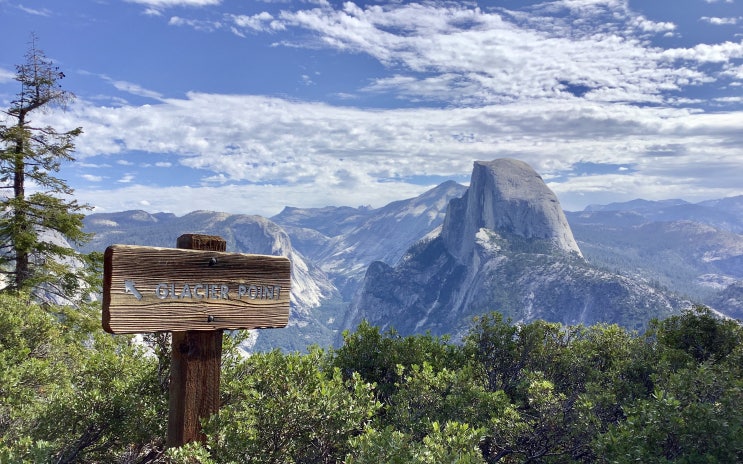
{"x": 149, "y": 289}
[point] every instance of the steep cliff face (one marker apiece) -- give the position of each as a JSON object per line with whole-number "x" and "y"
{"x": 258, "y": 235}
{"x": 505, "y": 246}
{"x": 509, "y": 197}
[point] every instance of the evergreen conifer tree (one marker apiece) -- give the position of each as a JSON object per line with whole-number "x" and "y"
{"x": 36, "y": 207}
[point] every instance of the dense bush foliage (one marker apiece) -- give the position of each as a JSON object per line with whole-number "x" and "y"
{"x": 70, "y": 392}
{"x": 537, "y": 392}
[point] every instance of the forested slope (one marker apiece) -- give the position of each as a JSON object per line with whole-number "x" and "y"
{"x": 536, "y": 392}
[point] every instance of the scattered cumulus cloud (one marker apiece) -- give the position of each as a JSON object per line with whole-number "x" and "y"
{"x": 468, "y": 56}
{"x": 92, "y": 178}
{"x": 261, "y": 22}
{"x": 486, "y": 57}
{"x": 646, "y": 25}
{"x": 349, "y": 152}
{"x": 720, "y": 21}
{"x": 706, "y": 53}
{"x": 306, "y": 79}
{"x": 730, "y": 99}
{"x": 735, "y": 72}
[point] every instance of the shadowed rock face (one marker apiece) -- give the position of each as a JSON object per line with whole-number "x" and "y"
{"x": 508, "y": 197}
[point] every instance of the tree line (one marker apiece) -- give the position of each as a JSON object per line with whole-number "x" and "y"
{"x": 508, "y": 393}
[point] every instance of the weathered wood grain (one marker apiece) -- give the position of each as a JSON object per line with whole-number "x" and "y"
{"x": 194, "y": 384}
{"x": 149, "y": 289}
{"x": 195, "y": 363}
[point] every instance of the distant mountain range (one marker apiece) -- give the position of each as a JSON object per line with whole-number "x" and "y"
{"x": 695, "y": 250}
{"x": 432, "y": 262}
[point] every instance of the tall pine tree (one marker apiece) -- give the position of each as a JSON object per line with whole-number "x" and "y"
{"x": 36, "y": 207}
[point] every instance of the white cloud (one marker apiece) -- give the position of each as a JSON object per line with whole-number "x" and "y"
{"x": 736, "y": 72}
{"x": 262, "y": 22}
{"x": 159, "y": 4}
{"x": 470, "y": 56}
{"x": 124, "y": 86}
{"x": 720, "y": 21}
{"x": 36, "y": 11}
{"x": 197, "y": 24}
{"x": 647, "y": 25}
{"x": 474, "y": 56}
{"x": 6, "y": 75}
{"x": 92, "y": 178}
{"x": 705, "y": 53}
{"x": 484, "y": 57}
{"x": 729, "y": 99}
{"x": 314, "y": 153}
{"x": 135, "y": 89}
{"x": 156, "y": 8}
{"x": 126, "y": 179}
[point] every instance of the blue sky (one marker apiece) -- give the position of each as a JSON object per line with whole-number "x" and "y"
{"x": 248, "y": 106}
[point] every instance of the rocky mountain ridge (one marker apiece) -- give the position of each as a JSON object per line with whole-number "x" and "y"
{"x": 692, "y": 249}
{"x": 315, "y": 241}
{"x": 526, "y": 243}
{"x": 345, "y": 249}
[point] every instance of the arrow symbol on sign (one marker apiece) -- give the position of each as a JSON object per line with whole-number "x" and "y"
{"x": 130, "y": 288}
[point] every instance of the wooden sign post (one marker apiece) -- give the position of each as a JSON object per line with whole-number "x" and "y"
{"x": 195, "y": 291}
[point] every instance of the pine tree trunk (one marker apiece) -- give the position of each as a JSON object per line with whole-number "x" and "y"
{"x": 19, "y": 214}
